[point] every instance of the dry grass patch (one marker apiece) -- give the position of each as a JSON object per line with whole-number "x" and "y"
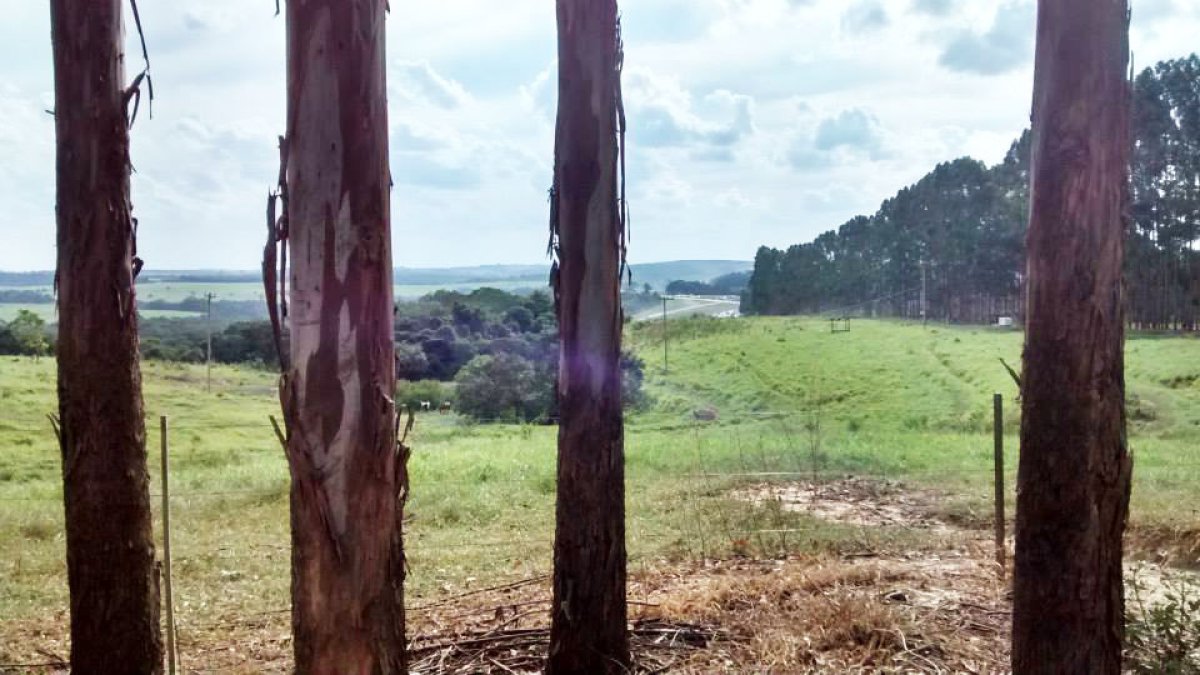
{"x": 832, "y": 615}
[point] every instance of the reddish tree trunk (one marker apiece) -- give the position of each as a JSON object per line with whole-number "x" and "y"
{"x": 347, "y": 554}
{"x": 1074, "y": 476}
{"x": 110, "y": 547}
{"x": 588, "y": 632}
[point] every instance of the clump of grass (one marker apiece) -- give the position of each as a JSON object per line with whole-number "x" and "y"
{"x": 40, "y": 530}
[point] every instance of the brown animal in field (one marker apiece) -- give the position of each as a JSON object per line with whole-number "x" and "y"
{"x": 705, "y": 414}
{"x": 444, "y": 408}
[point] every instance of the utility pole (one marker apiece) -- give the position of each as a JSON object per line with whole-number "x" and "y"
{"x": 208, "y": 352}
{"x": 665, "y": 369}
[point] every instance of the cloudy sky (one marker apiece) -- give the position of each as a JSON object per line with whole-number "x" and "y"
{"x": 752, "y": 121}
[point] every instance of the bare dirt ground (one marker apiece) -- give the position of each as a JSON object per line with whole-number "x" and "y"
{"x": 940, "y": 611}
{"x": 854, "y": 501}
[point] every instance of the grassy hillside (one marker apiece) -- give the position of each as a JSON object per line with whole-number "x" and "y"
{"x": 907, "y": 400}
{"x": 885, "y": 400}
{"x": 885, "y": 374}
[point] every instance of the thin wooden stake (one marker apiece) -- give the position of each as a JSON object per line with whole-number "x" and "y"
{"x": 664, "y": 327}
{"x": 998, "y": 426}
{"x": 208, "y": 351}
{"x": 166, "y": 515}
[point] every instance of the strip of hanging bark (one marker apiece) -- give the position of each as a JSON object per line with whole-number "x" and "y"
{"x": 137, "y": 20}
{"x": 619, "y": 97}
{"x": 275, "y": 256}
{"x": 588, "y": 620}
{"x": 282, "y": 226}
{"x": 1074, "y": 476}
{"x": 56, "y": 427}
{"x": 270, "y": 282}
{"x": 134, "y": 91}
{"x": 282, "y": 437}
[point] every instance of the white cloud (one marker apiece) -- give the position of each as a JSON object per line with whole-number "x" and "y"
{"x": 751, "y": 121}
{"x": 418, "y": 81}
{"x": 662, "y": 114}
{"x": 1006, "y": 45}
{"x": 865, "y": 16}
{"x": 934, "y": 7}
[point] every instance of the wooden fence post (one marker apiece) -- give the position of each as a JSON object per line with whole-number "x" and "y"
{"x": 998, "y": 428}
{"x": 166, "y": 515}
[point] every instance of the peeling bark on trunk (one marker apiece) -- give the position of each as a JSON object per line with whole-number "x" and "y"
{"x": 588, "y": 633}
{"x": 337, "y": 393}
{"x": 1074, "y": 476}
{"x": 110, "y": 548}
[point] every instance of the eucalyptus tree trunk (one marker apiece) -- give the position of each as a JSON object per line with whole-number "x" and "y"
{"x": 588, "y": 629}
{"x": 338, "y": 386}
{"x": 110, "y": 547}
{"x": 1074, "y": 476}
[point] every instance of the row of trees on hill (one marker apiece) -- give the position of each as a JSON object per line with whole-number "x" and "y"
{"x": 959, "y": 232}
{"x": 726, "y": 284}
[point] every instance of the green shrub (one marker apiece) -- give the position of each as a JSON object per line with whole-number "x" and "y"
{"x": 503, "y": 387}
{"x": 1163, "y": 638}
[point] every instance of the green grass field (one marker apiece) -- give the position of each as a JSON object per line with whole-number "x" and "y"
{"x": 9, "y": 311}
{"x": 792, "y": 400}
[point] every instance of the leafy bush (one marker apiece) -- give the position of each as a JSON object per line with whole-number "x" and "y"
{"x": 503, "y": 387}
{"x": 8, "y": 341}
{"x": 510, "y": 386}
{"x": 25, "y": 335}
{"x": 1164, "y": 638}
{"x": 633, "y": 373}
{"x": 245, "y": 342}
{"x": 411, "y": 362}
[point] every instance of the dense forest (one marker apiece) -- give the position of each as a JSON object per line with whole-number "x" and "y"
{"x": 959, "y": 232}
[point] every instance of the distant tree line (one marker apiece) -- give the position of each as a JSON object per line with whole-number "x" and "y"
{"x": 25, "y": 296}
{"x": 221, "y": 309}
{"x": 726, "y": 284}
{"x": 494, "y": 353}
{"x": 960, "y": 232}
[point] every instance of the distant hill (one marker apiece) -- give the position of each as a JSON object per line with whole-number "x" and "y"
{"x": 657, "y": 274}
{"x": 12, "y": 279}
